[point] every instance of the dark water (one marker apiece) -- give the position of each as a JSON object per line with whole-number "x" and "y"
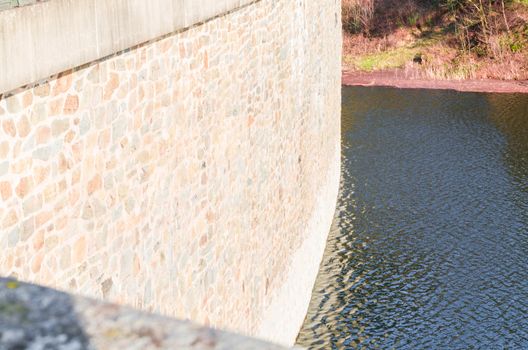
{"x": 429, "y": 246}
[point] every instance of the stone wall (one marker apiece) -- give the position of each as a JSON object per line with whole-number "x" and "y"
{"x": 194, "y": 175}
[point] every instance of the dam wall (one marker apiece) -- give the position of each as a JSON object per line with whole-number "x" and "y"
{"x": 176, "y": 156}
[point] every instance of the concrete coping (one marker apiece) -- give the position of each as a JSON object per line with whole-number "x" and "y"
{"x": 54, "y": 36}
{"x": 32, "y": 316}
{"x": 9, "y": 4}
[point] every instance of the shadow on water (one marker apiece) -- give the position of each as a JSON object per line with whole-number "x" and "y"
{"x": 429, "y": 246}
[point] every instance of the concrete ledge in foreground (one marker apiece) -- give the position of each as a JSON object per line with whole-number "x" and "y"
{"x": 34, "y": 317}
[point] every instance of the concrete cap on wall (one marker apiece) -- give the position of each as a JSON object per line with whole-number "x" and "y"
{"x": 51, "y": 37}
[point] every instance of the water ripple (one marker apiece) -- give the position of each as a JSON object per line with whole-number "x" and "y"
{"x": 429, "y": 245}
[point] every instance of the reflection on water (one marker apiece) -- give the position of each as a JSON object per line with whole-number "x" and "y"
{"x": 429, "y": 246}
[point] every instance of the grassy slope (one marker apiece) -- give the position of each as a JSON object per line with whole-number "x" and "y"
{"x": 394, "y": 57}
{"x": 441, "y": 59}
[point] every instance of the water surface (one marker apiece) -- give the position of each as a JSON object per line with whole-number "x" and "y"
{"x": 429, "y": 245}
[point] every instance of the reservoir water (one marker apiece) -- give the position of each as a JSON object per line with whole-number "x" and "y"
{"x": 429, "y": 245}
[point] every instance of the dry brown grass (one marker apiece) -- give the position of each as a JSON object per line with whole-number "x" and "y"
{"x": 357, "y": 15}
{"x": 388, "y": 34}
{"x": 512, "y": 67}
{"x": 360, "y": 44}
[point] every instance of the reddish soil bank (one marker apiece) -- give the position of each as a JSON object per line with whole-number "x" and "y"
{"x": 399, "y": 79}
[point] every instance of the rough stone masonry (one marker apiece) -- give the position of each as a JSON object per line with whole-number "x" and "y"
{"x": 194, "y": 174}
